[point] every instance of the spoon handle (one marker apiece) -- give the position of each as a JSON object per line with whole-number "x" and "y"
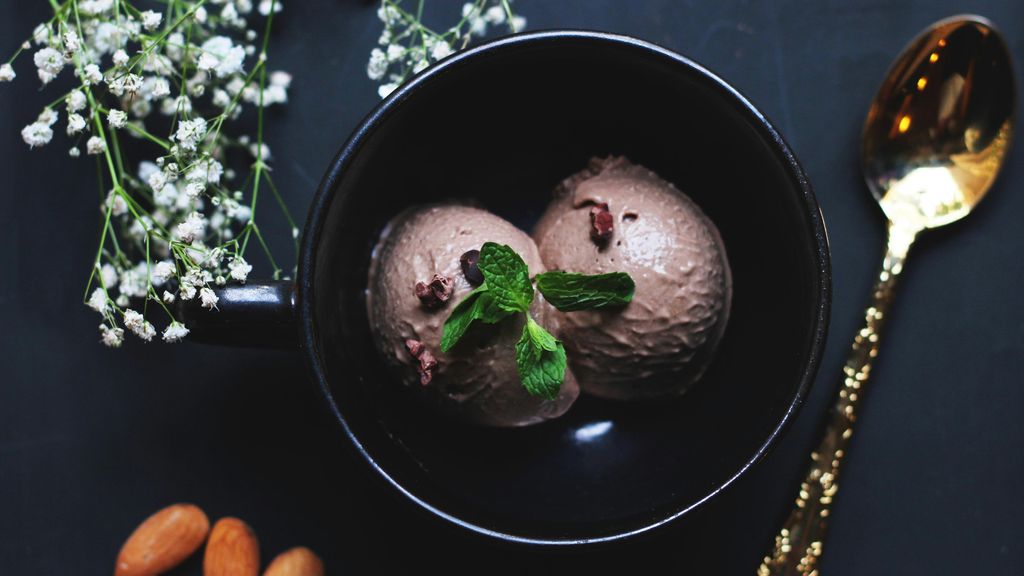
{"x": 798, "y": 545}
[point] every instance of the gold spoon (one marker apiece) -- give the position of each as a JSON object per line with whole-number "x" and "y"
{"x": 935, "y": 137}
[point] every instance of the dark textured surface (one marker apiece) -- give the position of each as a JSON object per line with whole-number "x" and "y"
{"x": 92, "y": 440}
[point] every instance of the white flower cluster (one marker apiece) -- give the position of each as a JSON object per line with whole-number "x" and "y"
{"x": 407, "y": 46}
{"x": 177, "y": 227}
{"x": 173, "y": 80}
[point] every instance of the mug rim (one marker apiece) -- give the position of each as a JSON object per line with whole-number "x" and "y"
{"x": 343, "y": 159}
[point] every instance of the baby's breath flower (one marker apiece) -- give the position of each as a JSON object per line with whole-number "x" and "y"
{"x": 157, "y": 180}
{"x": 108, "y": 37}
{"x": 495, "y": 15}
{"x": 48, "y": 116}
{"x": 386, "y": 89}
{"x": 267, "y": 5}
{"x": 138, "y": 325}
{"x": 186, "y": 290}
{"x": 221, "y": 99}
{"x": 158, "y": 64}
{"x": 239, "y": 268}
{"x": 198, "y": 277}
{"x": 72, "y": 43}
{"x": 180, "y": 105}
{"x": 190, "y": 133}
{"x": 134, "y": 281}
{"x": 159, "y": 88}
{"x": 175, "y": 331}
{"x": 146, "y": 331}
{"x": 98, "y": 300}
{"x": 125, "y": 84}
{"x": 91, "y": 74}
{"x": 118, "y": 207}
{"x": 76, "y": 123}
{"x": 208, "y": 298}
{"x": 162, "y": 272}
{"x": 37, "y": 134}
{"x": 168, "y": 297}
{"x": 120, "y": 58}
{"x": 95, "y": 145}
{"x": 95, "y": 7}
{"x": 117, "y": 119}
{"x": 229, "y": 16}
{"x": 387, "y": 14}
{"x": 395, "y": 52}
{"x": 49, "y": 62}
{"x": 151, "y": 20}
{"x": 108, "y": 275}
{"x": 241, "y": 213}
{"x": 74, "y": 152}
{"x": 378, "y": 65}
{"x": 206, "y": 171}
{"x": 132, "y": 319}
{"x": 281, "y": 78}
{"x": 7, "y": 73}
{"x": 140, "y": 108}
{"x": 75, "y": 101}
{"x": 112, "y": 337}
{"x": 477, "y": 25}
{"x": 276, "y": 91}
{"x": 41, "y": 34}
{"x": 175, "y": 46}
{"x": 221, "y": 56}
{"x": 194, "y": 189}
{"x": 193, "y": 227}
{"x": 440, "y": 50}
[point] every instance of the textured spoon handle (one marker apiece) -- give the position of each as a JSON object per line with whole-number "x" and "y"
{"x": 798, "y": 545}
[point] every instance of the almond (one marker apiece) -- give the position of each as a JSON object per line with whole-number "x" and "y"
{"x": 163, "y": 541}
{"x": 299, "y": 561}
{"x": 232, "y": 550}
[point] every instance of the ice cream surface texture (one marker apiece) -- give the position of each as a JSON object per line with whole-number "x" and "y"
{"x": 416, "y": 279}
{"x": 616, "y": 216}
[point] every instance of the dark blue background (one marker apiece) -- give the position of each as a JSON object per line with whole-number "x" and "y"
{"x": 93, "y": 440}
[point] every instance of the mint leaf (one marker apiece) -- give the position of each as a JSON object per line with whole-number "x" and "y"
{"x": 477, "y": 305}
{"x": 569, "y": 292}
{"x": 506, "y": 276}
{"x": 540, "y": 361}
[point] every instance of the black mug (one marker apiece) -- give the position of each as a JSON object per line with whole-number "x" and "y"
{"x": 502, "y": 124}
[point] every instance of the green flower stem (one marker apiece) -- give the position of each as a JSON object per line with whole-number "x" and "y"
{"x": 284, "y": 208}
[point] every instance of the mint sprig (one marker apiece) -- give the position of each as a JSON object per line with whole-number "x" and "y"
{"x": 540, "y": 361}
{"x": 478, "y": 305}
{"x": 571, "y": 292}
{"x": 506, "y": 276}
{"x": 507, "y": 290}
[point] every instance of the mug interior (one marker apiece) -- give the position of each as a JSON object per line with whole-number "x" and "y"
{"x": 502, "y": 125}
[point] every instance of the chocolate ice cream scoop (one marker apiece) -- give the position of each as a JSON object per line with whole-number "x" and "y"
{"x": 616, "y": 216}
{"x": 417, "y": 276}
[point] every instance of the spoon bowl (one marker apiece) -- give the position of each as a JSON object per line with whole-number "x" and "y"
{"x": 939, "y": 128}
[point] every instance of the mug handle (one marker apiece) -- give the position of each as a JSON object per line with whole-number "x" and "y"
{"x": 255, "y": 314}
